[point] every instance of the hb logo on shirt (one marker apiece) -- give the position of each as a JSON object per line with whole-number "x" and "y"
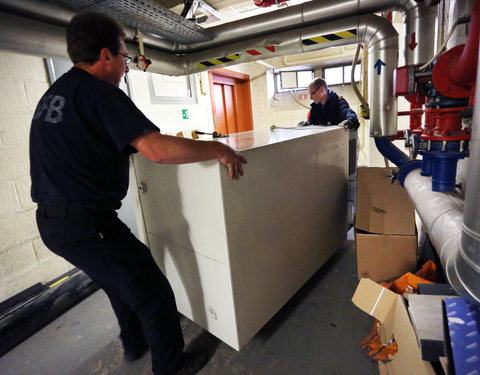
{"x": 53, "y": 105}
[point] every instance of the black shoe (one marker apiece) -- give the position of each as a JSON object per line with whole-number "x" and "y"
{"x": 191, "y": 363}
{"x": 135, "y": 352}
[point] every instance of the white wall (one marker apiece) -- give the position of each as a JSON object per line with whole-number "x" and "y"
{"x": 24, "y": 260}
{"x": 168, "y": 117}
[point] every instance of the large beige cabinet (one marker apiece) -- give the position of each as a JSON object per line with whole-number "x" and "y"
{"x": 236, "y": 251}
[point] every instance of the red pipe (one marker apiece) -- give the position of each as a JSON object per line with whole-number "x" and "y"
{"x": 267, "y": 3}
{"x": 464, "y": 71}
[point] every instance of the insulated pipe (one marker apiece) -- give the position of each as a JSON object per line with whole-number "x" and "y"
{"x": 419, "y": 25}
{"x": 375, "y": 31}
{"x": 441, "y": 213}
{"x": 45, "y": 40}
{"x": 419, "y": 22}
{"x": 31, "y": 37}
{"x": 467, "y": 260}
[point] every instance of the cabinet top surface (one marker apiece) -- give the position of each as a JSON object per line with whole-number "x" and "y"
{"x": 264, "y": 137}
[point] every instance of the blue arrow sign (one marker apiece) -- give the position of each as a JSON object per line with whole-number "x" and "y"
{"x": 378, "y": 66}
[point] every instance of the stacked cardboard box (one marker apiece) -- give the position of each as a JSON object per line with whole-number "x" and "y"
{"x": 385, "y": 235}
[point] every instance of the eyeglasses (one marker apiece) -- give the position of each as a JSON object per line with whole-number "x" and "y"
{"x": 128, "y": 59}
{"x": 313, "y": 93}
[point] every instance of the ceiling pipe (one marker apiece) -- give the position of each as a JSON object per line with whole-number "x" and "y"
{"x": 380, "y": 36}
{"x": 416, "y": 16}
{"x": 372, "y": 30}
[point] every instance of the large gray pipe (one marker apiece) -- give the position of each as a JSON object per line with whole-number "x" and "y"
{"x": 375, "y": 31}
{"x": 467, "y": 260}
{"x": 419, "y": 23}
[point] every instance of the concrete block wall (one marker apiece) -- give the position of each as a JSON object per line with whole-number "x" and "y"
{"x": 24, "y": 259}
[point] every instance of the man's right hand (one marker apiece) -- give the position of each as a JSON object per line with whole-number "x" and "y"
{"x": 233, "y": 160}
{"x": 166, "y": 149}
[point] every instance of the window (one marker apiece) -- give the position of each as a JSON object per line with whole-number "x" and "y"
{"x": 170, "y": 89}
{"x": 293, "y": 80}
{"x": 341, "y": 75}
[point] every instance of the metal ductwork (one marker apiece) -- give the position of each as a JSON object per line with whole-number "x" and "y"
{"x": 467, "y": 260}
{"x": 372, "y": 30}
{"x": 290, "y": 18}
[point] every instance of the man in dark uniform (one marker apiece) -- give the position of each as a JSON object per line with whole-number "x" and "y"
{"x": 83, "y": 131}
{"x": 328, "y": 108}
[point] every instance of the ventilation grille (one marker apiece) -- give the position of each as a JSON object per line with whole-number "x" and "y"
{"x": 147, "y": 16}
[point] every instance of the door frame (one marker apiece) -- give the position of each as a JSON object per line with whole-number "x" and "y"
{"x": 242, "y": 96}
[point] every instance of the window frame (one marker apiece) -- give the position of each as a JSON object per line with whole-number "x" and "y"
{"x": 343, "y": 66}
{"x": 277, "y": 77}
{"x": 189, "y": 98}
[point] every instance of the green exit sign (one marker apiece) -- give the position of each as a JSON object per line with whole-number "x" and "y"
{"x": 185, "y": 114}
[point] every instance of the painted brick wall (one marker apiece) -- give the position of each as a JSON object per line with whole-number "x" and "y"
{"x": 24, "y": 260}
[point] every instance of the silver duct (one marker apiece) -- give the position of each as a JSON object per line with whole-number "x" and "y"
{"x": 31, "y": 37}
{"x": 375, "y": 31}
{"x": 306, "y": 14}
{"x": 467, "y": 260}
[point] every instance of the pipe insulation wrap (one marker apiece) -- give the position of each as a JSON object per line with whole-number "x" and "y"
{"x": 306, "y": 14}
{"x": 467, "y": 262}
{"x": 419, "y": 29}
{"x": 442, "y": 216}
{"x": 23, "y": 35}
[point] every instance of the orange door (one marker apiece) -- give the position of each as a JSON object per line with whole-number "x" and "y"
{"x": 231, "y": 101}
{"x": 225, "y": 119}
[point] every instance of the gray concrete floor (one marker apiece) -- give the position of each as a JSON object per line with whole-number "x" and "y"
{"x": 316, "y": 333}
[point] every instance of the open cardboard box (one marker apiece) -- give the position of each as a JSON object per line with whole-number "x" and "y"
{"x": 385, "y": 232}
{"x": 390, "y": 309}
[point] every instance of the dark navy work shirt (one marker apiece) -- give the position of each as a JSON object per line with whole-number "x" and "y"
{"x": 335, "y": 110}
{"x": 80, "y": 142}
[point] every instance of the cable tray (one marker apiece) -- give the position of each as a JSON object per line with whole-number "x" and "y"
{"x": 146, "y": 15}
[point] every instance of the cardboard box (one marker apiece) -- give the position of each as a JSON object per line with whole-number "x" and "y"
{"x": 385, "y": 232}
{"x": 389, "y": 308}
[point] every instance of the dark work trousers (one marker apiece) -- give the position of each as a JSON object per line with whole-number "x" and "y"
{"x": 104, "y": 248}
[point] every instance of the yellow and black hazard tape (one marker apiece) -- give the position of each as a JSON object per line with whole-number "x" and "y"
{"x": 330, "y": 37}
{"x": 218, "y": 61}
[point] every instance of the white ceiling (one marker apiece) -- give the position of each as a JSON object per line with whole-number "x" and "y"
{"x": 227, "y": 10}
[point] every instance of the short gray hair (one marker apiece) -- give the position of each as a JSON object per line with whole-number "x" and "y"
{"x": 319, "y": 82}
